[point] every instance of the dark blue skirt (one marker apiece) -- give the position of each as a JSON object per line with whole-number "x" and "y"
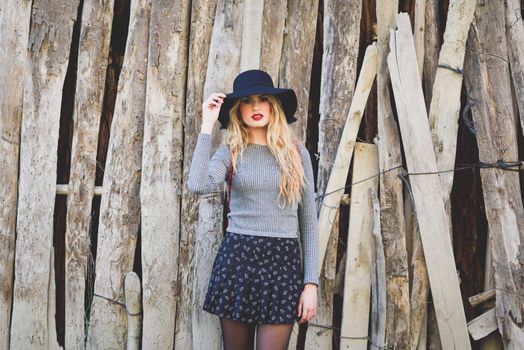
{"x": 256, "y": 280}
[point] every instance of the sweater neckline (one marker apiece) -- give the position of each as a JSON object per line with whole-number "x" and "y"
{"x": 257, "y": 145}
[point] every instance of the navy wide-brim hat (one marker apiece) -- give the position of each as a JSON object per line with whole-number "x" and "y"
{"x": 253, "y": 82}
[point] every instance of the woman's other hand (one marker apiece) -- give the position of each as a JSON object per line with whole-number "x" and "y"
{"x": 210, "y": 109}
{"x": 307, "y": 306}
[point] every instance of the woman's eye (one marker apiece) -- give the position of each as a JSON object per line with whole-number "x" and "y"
{"x": 263, "y": 99}
{"x": 245, "y": 100}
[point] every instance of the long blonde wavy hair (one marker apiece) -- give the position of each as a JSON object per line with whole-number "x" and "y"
{"x": 281, "y": 142}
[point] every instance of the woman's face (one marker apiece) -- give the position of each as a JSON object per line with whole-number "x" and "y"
{"x": 255, "y": 110}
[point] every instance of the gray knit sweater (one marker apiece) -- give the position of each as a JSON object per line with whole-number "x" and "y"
{"x": 254, "y": 192}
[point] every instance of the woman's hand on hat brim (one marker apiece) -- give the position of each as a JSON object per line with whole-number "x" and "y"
{"x": 211, "y": 109}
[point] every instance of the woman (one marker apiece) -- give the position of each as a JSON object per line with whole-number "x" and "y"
{"x": 257, "y": 282}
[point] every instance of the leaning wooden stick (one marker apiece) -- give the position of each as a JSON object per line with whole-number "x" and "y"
{"x": 429, "y": 203}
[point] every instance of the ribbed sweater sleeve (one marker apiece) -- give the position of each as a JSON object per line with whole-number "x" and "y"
{"x": 207, "y": 173}
{"x": 308, "y": 222}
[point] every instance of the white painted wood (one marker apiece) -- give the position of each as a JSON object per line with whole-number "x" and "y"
{"x": 251, "y": 35}
{"x": 95, "y": 33}
{"x": 133, "y": 298}
{"x": 357, "y": 282}
{"x": 481, "y": 326}
{"x": 46, "y": 64}
{"x": 15, "y": 17}
{"x": 445, "y": 102}
{"x": 120, "y": 202}
{"x": 429, "y": 204}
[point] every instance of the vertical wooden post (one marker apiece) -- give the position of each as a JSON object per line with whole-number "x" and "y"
{"x": 391, "y": 194}
{"x": 429, "y": 204}
{"x": 95, "y": 33}
{"x": 46, "y": 63}
{"x": 297, "y": 57}
{"x": 251, "y": 35}
{"x": 14, "y": 26}
{"x": 357, "y": 282}
{"x": 274, "y": 20}
{"x": 120, "y": 203}
{"x": 488, "y": 84}
{"x": 205, "y": 327}
{"x": 133, "y": 298}
{"x": 223, "y": 65}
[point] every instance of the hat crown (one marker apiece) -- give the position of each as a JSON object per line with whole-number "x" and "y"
{"x": 250, "y": 78}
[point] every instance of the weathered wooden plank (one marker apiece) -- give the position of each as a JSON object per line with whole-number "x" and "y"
{"x": 46, "y": 62}
{"x": 14, "y": 26}
{"x": 120, "y": 203}
{"x": 432, "y": 40}
{"x": 487, "y": 82}
{"x": 340, "y": 170}
{"x": 433, "y": 221}
{"x": 357, "y": 282}
{"x": 420, "y": 284}
{"x": 223, "y": 65}
{"x": 331, "y": 202}
{"x": 274, "y": 20}
{"x": 391, "y": 194}
{"x": 205, "y": 327}
{"x": 133, "y": 298}
{"x": 418, "y": 33}
{"x": 445, "y": 102}
{"x": 515, "y": 38}
{"x": 95, "y": 33}
{"x": 251, "y": 34}
{"x": 297, "y": 57}
{"x": 481, "y": 326}
{"x": 339, "y": 74}
{"x": 166, "y": 270}
{"x": 482, "y": 297}
{"x": 378, "y": 280}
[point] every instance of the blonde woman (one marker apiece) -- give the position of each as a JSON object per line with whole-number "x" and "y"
{"x": 259, "y": 282}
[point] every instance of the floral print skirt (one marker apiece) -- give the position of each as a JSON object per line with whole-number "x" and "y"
{"x": 256, "y": 280}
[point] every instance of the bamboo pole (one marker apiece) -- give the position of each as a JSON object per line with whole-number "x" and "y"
{"x": 120, "y": 203}
{"x": 14, "y": 26}
{"x": 95, "y": 33}
{"x": 431, "y": 214}
{"x": 43, "y": 84}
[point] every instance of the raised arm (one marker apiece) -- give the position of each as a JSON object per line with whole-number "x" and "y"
{"x": 207, "y": 173}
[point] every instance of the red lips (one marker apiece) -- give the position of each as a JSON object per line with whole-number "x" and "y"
{"x": 257, "y": 116}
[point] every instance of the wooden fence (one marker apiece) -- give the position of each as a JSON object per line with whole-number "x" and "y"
{"x": 413, "y": 111}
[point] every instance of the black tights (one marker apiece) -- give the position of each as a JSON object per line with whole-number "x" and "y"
{"x": 240, "y": 336}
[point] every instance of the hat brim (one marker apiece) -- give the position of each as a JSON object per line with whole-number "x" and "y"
{"x": 287, "y": 98}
